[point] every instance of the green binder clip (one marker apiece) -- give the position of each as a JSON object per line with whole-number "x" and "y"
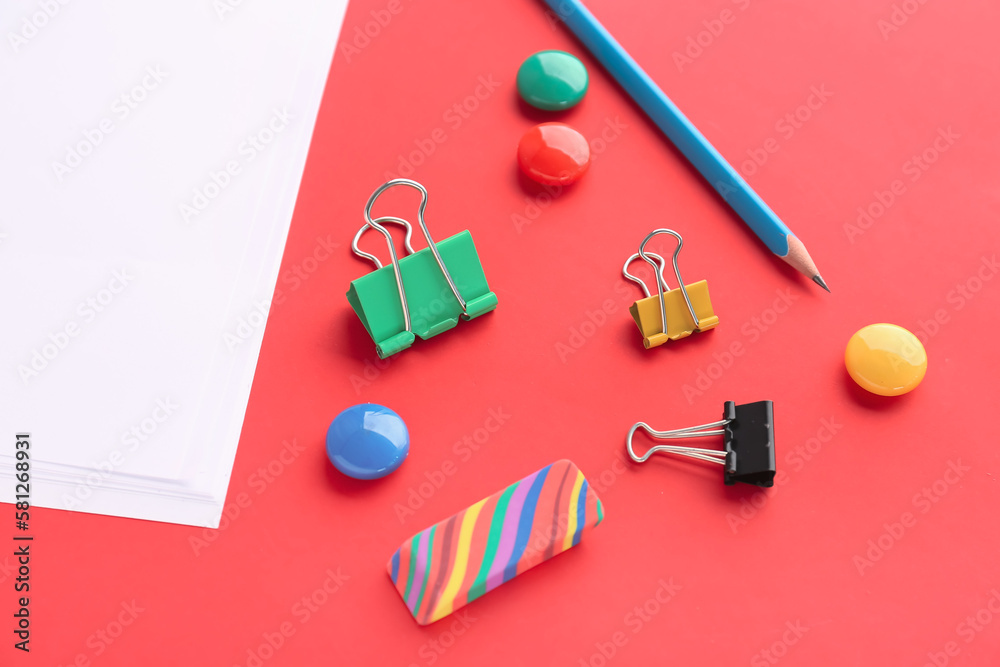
{"x": 425, "y": 292}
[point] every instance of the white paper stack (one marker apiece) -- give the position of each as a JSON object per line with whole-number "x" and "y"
{"x": 151, "y": 160}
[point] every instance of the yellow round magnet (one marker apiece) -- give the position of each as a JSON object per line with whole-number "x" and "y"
{"x": 886, "y": 359}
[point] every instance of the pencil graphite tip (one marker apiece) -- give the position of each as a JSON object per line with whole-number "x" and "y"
{"x": 818, "y": 279}
{"x": 798, "y": 257}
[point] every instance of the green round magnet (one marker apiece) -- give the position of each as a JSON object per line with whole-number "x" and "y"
{"x": 552, "y": 80}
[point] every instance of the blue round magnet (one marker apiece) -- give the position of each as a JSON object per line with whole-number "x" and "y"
{"x": 367, "y": 441}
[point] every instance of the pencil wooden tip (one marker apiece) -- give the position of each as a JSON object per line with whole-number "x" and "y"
{"x": 818, "y": 279}
{"x": 799, "y": 258}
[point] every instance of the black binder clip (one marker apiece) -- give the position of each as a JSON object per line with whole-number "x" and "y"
{"x": 748, "y": 441}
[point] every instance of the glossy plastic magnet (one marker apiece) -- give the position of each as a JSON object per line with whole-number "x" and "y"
{"x": 552, "y": 80}
{"x": 367, "y": 441}
{"x": 886, "y": 359}
{"x": 553, "y": 154}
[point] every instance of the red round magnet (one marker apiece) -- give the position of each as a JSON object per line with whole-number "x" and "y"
{"x": 553, "y": 154}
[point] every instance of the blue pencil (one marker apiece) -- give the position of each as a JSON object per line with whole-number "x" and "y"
{"x": 727, "y": 181}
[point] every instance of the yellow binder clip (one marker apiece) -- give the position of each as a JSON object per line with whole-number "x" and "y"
{"x": 673, "y": 313}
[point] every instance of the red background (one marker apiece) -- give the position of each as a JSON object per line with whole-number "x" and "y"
{"x": 795, "y": 559}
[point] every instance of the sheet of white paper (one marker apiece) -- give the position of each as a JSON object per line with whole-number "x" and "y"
{"x": 149, "y": 177}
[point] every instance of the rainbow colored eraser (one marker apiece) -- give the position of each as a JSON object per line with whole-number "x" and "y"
{"x": 445, "y": 567}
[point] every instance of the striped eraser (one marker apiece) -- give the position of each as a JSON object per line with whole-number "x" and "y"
{"x": 445, "y": 567}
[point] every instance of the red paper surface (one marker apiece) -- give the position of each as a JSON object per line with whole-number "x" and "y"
{"x": 683, "y": 570}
